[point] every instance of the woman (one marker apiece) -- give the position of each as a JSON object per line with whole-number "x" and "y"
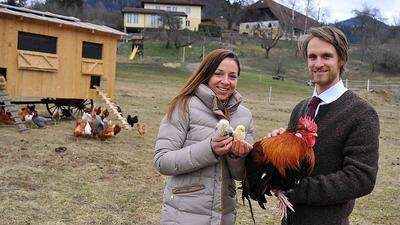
{"x": 201, "y": 166}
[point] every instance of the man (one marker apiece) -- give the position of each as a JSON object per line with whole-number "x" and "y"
{"x": 346, "y": 151}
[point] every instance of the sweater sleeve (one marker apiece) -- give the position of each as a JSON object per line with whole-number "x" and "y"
{"x": 358, "y": 175}
{"x": 236, "y": 165}
{"x": 171, "y": 157}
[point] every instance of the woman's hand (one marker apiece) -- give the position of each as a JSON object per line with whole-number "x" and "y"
{"x": 241, "y": 148}
{"x": 221, "y": 145}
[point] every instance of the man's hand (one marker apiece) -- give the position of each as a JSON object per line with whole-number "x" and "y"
{"x": 276, "y": 132}
{"x": 241, "y": 148}
{"x": 221, "y": 145}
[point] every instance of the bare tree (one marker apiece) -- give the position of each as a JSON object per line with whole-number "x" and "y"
{"x": 268, "y": 37}
{"x": 372, "y": 34}
{"x": 233, "y": 11}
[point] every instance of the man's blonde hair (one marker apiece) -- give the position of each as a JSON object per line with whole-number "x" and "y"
{"x": 332, "y": 35}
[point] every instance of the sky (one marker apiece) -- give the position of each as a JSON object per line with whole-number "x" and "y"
{"x": 339, "y": 10}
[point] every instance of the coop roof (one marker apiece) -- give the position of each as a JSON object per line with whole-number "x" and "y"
{"x": 55, "y": 18}
{"x": 151, "y": 11}
{"x": 175, "y": 2}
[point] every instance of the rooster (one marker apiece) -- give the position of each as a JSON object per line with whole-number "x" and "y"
{"x": 132, "y": 120}
{"x": 278, "y": 164}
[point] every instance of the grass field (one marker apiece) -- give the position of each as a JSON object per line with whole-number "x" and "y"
{"x": 114, "y": 181}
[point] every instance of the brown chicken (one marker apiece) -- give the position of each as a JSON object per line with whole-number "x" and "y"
{"x": 141, "y": 129}
{"x": 109, "y": 132}
{"x": 24, "y": 112}
{"x": 3, "y": 82}
{"x": 5, "y": 117}
{"x": 79, "y": 128}
{"x": 278, "y": 164}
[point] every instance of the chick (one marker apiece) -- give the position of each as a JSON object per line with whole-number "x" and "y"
{"x": 224, "y": 128}
{"x": 239, "y": 133}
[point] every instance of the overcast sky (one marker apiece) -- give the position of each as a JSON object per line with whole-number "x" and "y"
{"x": 342, "y": 9}
{"x": 339, "y": 10}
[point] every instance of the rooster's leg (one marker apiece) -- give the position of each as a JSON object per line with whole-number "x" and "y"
{"x": 283, "y": 204}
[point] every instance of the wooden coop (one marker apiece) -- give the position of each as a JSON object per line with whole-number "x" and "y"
{"x": 55, "y": 60}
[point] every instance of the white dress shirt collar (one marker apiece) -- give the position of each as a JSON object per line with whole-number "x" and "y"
{"x": 330, "y": 95}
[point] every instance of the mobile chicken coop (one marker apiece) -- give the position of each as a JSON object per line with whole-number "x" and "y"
{"x": 55, "y": 60}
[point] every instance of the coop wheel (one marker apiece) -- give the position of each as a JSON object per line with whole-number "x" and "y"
{"x": 77, "y": 107}
{"x": 53, "y": 105}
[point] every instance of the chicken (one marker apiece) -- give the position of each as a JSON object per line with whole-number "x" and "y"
{"x": 105, "y": 114}
{"x": 78, "y": 131}
{"x": 28, "y": 120}
{"x": 87, "y": 131}
{"x": 109, "y": 132}
{"x": 24, "y": 112}
{"x": 5, "y": 117}
{"x": 278, "y": 164}
{"x": 41, "y": 122}
{"x": 3, "y": 82}
{"x": 132, "y": 120}
{"x": 98, "y": 110}
{"x": 223, "y": 128}
{"x": 239, "y": 133}
{"x": 98, "y": 125}
{"x": 56, "y": 115}
{"x": 141, "y": 129}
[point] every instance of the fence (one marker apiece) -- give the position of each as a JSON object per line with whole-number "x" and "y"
{"x": 368, "y": 85}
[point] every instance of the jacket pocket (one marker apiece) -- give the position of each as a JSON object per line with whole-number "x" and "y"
{"x": 188, "y": 189}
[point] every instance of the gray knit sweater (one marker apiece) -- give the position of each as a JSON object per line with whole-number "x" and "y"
{"x": 346, "y": 161}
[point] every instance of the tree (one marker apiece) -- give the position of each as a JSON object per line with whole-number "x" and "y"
{"x": 19, "y": 3}
{"x": 268, "y": 37}
{"x": 233, "y": 11}
{"x": 172, "y": 25}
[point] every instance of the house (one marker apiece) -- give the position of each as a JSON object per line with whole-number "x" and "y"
{"x": 47, "y": 55}
{"x": 271, "y": 15}
{"x": 137, "y": 19}
{"x": 150, "y": 16}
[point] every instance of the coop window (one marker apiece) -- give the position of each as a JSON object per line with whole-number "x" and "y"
{"x": 3, "y": 72}
{"x": 92, "y": 50}
{"x": 37, "y": 42}
{"x": 94, "y": 81}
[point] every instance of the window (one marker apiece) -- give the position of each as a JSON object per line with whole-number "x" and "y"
{"x": 168, "y": 8}
{"x": 187, "y": 23}
{"x": 155, "y": 20}
{"x": 133, "y": 18}
{"x": 174, "y": 8}
{"x": 188, "y": 10}
{"x": 92, "y": 50}
{"x": 94, "y": 81}
{"x": 37, "y": 42}
{"x": 158, "y": 7}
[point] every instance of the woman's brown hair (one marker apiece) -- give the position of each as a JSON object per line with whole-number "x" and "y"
{"x": 201, "y": 76}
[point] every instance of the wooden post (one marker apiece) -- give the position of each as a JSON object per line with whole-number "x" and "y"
{"x": 347, "y": 83}
{"x": 270, "y": 93}
{"x": 368, "y": 85}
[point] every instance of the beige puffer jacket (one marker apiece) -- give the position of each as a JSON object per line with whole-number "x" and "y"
{"x": 200, "y": 189}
